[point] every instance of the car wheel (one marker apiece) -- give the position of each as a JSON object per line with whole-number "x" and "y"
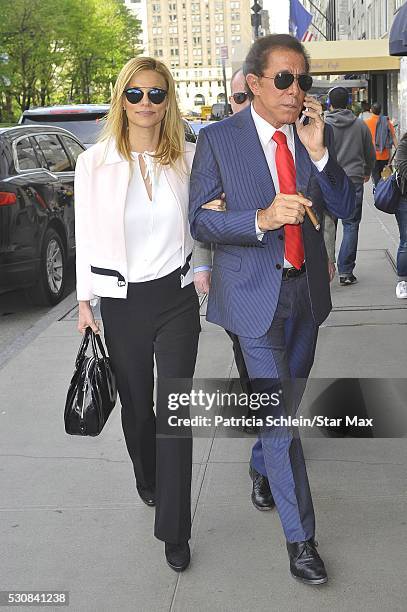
{"x": 51, "y": 281}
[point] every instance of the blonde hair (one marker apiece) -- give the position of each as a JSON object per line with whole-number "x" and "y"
{"x": 171, "y": 144}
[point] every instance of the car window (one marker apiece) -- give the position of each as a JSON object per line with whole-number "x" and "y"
{"x": 86, "y": 127}
{"x": 27, "y": 159}
{"x": 55, "y": 156}
{"x": 73, "y": 147}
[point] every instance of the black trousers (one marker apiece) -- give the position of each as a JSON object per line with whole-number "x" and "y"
{"x": 157, "y": 319}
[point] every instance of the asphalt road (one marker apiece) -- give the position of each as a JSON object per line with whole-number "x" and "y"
{"x": 18, "y": 315}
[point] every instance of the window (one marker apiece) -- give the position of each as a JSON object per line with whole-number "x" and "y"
{"x": 156, "y": 8}
{"x": 199, "y": 100}
{"x": 55, "y": 156}
{"x": 235, "y": 27}
{"x": 73, "y": 147}
{"x": 27, "y": 159}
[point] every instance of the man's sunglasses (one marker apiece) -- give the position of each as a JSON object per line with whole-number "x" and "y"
{"x": 134, "y": 95}
{"x": 283, "y": 80}
{"x": 240, "y": 96}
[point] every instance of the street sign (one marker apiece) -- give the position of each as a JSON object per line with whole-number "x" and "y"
{"x": 224, "y": 53}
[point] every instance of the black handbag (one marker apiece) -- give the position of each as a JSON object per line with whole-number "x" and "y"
{"x": 92, "y": 392}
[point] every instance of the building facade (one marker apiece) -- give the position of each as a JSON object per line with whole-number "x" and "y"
{"x": 139, "y": 9}
{"x": 191, "y": 37}
{"x": 372, "y": 19}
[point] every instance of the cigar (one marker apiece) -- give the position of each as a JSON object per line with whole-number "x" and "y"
{"x": 311, "y": 215}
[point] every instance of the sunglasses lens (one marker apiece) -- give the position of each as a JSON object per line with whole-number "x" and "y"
{"x": 305, "y": 82}
{"x": 157, "y": 96}
{"x": 240, "y": 96}
{"x": 283, "y": 80}
{"x": 134, "y": 95}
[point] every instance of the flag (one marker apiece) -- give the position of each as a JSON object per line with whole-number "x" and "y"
{"x": 308, "y": 36}
{"x": 300, "y": 19}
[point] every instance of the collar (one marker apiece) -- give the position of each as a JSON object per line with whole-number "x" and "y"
{"x": 266, "y": 131}
{"x": 112, "y": 155}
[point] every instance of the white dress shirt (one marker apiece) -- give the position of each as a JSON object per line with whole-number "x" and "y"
{"x": 266, "y": 132}
{"x": 153, "y": 229}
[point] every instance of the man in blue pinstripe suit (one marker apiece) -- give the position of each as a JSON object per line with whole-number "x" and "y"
{"x": 270, "y": 283}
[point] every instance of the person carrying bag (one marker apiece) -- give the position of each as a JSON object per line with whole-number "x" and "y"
{"x": 133, "y": 251}
{"x": 390, "y": 196}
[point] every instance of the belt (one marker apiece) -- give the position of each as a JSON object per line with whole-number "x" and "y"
{"x": 293, "y": 272}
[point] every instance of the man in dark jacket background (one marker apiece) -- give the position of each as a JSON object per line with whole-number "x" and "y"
{"x": 356, "y": 154}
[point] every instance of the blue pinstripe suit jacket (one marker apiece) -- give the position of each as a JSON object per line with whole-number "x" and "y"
{"x": 246, "y": 275}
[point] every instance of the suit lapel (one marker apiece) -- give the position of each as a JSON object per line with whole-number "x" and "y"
{"x": 249, "y": 144}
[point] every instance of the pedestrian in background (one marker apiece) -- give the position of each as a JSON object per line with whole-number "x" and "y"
{"x": 383, "y": 138}
{"x": 365, "y": 113}
{"x": 238, "y": 99}
{"x": 356, "y": 154}
{"x": 401, "y": 217}
{"x": 133, "y": 249}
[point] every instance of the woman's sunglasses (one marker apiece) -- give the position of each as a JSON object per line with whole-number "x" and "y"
{"x": 283, "y": 80}
{"x": 240, "y": 96}
{"x": 135, "y": 94}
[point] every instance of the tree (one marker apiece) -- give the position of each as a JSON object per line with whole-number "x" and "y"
{"x": 65, "y": 50}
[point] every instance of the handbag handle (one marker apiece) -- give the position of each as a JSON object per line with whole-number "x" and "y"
{"x": 392, "y": 157}
{"x": 83, "y": 346}
{"x": 97, "y": 342}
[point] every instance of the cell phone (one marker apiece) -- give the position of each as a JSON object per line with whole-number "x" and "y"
{"x": 303, "y": 117}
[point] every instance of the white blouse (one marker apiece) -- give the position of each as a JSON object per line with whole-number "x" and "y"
{"x": 153, "y": 228}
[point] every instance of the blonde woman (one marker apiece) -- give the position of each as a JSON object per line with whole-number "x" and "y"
{"x": 133, "y": 249}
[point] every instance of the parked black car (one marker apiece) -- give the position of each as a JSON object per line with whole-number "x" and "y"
{"x": 85, "y": 121}
{"x": 37, "y": 233}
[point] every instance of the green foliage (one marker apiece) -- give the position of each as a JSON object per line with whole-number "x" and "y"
{"x": 62, "y": 51}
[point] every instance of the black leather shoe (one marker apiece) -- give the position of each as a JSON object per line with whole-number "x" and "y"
{"x": 147, "y": 495}
{"x": 261, "y": 495}
{"x": 305, "y": 563}
{"x": 178, "y": 556}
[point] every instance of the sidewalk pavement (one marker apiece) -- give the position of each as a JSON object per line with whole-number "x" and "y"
{"x": 71, "y": 519}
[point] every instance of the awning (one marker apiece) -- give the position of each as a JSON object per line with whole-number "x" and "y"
{"x": 398, "y": 33}
{"x": 351, "y": 56}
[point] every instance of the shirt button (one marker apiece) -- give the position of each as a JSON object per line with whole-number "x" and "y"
{"x": 280, "y": 237}
{"x": 278, "y": 266}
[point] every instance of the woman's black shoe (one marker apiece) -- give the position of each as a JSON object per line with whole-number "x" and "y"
{"x": 147, "y": 495}
{"x": 178, "y": 556}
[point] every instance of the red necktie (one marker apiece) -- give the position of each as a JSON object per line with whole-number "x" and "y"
{"x": 294, "y": 247}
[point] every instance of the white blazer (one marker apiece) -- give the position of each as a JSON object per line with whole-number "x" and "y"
{"x": 101, "y": 182}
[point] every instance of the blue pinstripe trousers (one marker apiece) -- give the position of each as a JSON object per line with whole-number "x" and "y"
{"x": 283, "y": 358}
